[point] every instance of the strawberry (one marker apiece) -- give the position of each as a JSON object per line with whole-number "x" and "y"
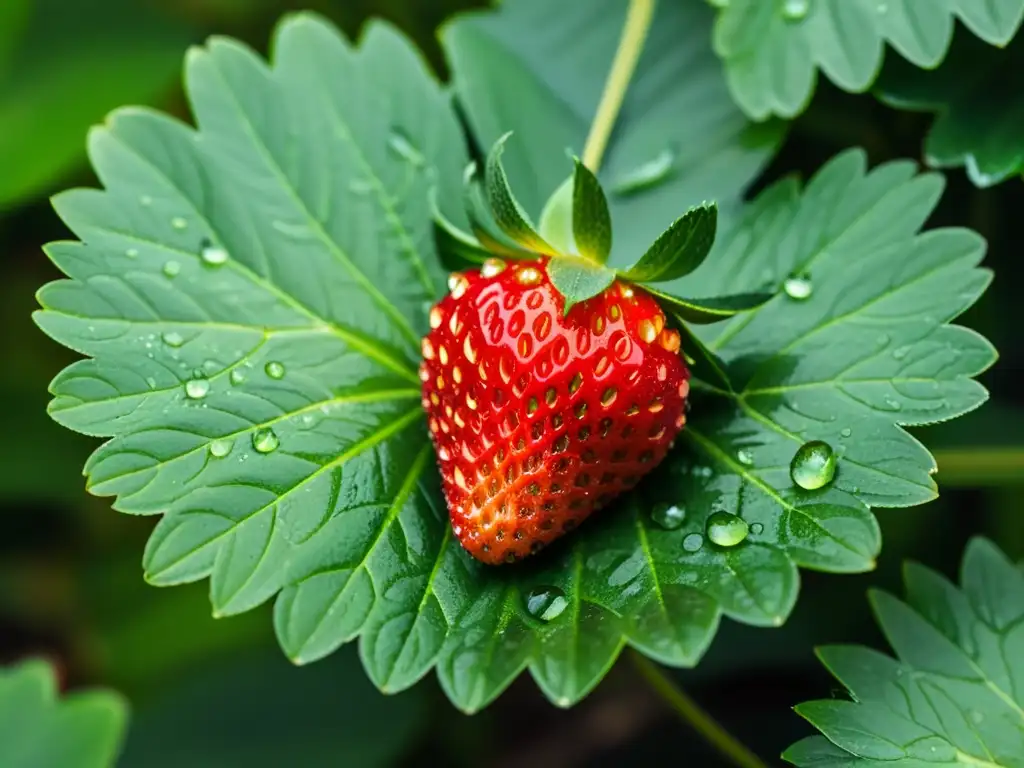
{"x": 540, "y": 417}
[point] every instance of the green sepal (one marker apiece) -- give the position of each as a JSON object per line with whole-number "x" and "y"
{"x": 578, "y": 280}
{"x": 555, "y": 224}
{"x": 482, "y": 222}
{"x": 680, "y": 249}
{"x": 455, "y": 248}
{"x": 507, "y": 211}
{"x": 712, "y": 309}
{"x": 591, "y": 220}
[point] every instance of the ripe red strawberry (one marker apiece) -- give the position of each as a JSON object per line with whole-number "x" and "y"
{"x": 539, "y": 419}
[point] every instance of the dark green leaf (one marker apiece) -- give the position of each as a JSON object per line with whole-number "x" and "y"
{"x": 578, "y": 280}
{"x": 772, "y": 51}
{"x": 509, "y": 215}
{"x": 591, "y": 222}
{"x": 711, "y": 310}
{"x": 512, "y": 70}
{"x": 978, "y": 95}
{"x": 952, "y": 696}
{"x": 680, "y": 249}
{"x": 704, "y": 364}
{"x": 84, "y": 730}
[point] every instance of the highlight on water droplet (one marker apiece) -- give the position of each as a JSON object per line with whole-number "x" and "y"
{"x": 172, "y": 268}
{"x": 813, "y": 465}
{"x": 173, "y": 339}
{"x": 179, "y": 223}
{"x": 265, "y": 440}
{"x": 400, "y": 144}
{"x": 668, "y": 516}
{"x": 274, "y": 369}
{"x": 221, "y": 448}
{"x": 795, "y": 10}
{"x": 212, "y": 255}
{"x": 692, "y": 542}
{"x": 798, "y": 287}
{"x": 237, "y": 376}
{"x": 647, "y": 175}
{"x": 745, "y": 457}
{"x": 546, "y": 603}
{"x": 726, "y": 529}
{"x": 197, "y": 388}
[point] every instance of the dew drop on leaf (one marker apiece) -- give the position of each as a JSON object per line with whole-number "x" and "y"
{"x": 237, "y": 376}
{"x": 798, "y": 287}
{"x": 172, "y": 268}
{"x": 213, "y": 255}
{"x": 649, "y": 174}
{"x": 726, "y": 529}
{"x": 900, "y": 352}
{"x": 265, "y": 440}
{"x": 795, "y": 10}
{"x": 546, "y": 603}
{"x": 692, "y": 542}
{"x": 131, "y": 253}
{"x": 846, "y": 432}
{"x": 274, "y": 369}
{"x": 744, "y": 457}
{"x": 179, "y": 223}
{"x": 756, "y": 528}
{"x": 813, "y": 465}
{"x": 399, "y": 143}
{"x": 668, "y": 516}
{"x": 221, "y": 448}
{"x": 197, "y": 388}
{"x": 173, "y": 339}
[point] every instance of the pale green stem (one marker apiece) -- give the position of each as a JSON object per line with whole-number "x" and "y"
{"x": 694, "y": 716}
{"x": 631, "y": 44}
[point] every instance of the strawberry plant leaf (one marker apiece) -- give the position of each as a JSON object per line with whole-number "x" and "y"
{"x": 508, "y": 213}
{"x": 513, "y": 71}
{"x": 978, "y": 97}
{"x": 578, "y": 280}
{"x": 680, "y": 249}
{"x": 591, "y": 221}
{"x": 952, "y": 695}
{"x": 711, "y": 310}
{"x": 82, "y": 730}
{"x": 772, "y": 51}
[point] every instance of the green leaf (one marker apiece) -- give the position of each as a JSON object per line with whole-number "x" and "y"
{"x": 711, "y": 310}
{"x": 513, "y": 71}
{"x": 772, "y": 51}
{"x": 591, "y": 221}
{"x": 110, "y": 53}
{"x": 481, "y": 219}
{"x": 508, "y": 213}
{"x": 578, "y": 280}
{"x": 978, "y": 97}
{"x": 284, "y": 250}
{"x": 952, "y": 696}
{"x": 680, "y": 249}
{"x": 84, "y": 730}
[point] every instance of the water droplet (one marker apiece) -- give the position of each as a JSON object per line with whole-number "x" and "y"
{"x": 744, "y": 457}
{"x": 274, "y": 369}
{"x": 172, "y": 268}
{"x": 132, "y": 253}
{"x": 846, "y": 432}
{"x": 883, "y": 340}
{"x": 892, "y": 404}
{"x": 265, "y": 440}
{"x": 399, "y": 143}
{"x": 213, "y": 255}
{"x": 197, "y": 388}
{"x": 546, "y": 603}
{"x": 146, "y": 200}
{"x": 795, "y": 10}
{"x": 900, "y": 352}
{"x": 798, "y": 287}
{"x": 221, "y": 448}
{"x": 151, "y": 382}
{"x": 813, "y": 465}
{"x": 756, "y": 528}
{"x": 647, "y": 175}
{"x": 668, "y": 516}
{"x": 179, "y": 223}
{"x": 726, "y": 529}
{"x": 237, "y": 376}
{"x": 692, "y": 542}
{"x": 173, "y": 339}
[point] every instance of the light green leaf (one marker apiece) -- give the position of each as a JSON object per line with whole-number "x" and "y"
{"x": 508, "y": 213}
{"x": 773, "y": 50}
{"x": 680, "y": 249}
{"x": 513, "y": 71}
{"x": 110, "y": 53}
{"x": 952, "y": 696}
{"x": 591, "y": 221}
{"x": 555, "y": 224}
{"x": 578, "y": 280}
{"x": 84, "y": 730}
{"x": 711, "y": 310}
{"x": 978, "y": 95}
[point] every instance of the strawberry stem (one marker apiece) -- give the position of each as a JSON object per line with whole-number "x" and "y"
{"x": 691, "y": 713}
{"x": 631, "y": 44}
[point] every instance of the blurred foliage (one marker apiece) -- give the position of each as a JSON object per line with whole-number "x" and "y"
{"x": 70, "y": 581}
